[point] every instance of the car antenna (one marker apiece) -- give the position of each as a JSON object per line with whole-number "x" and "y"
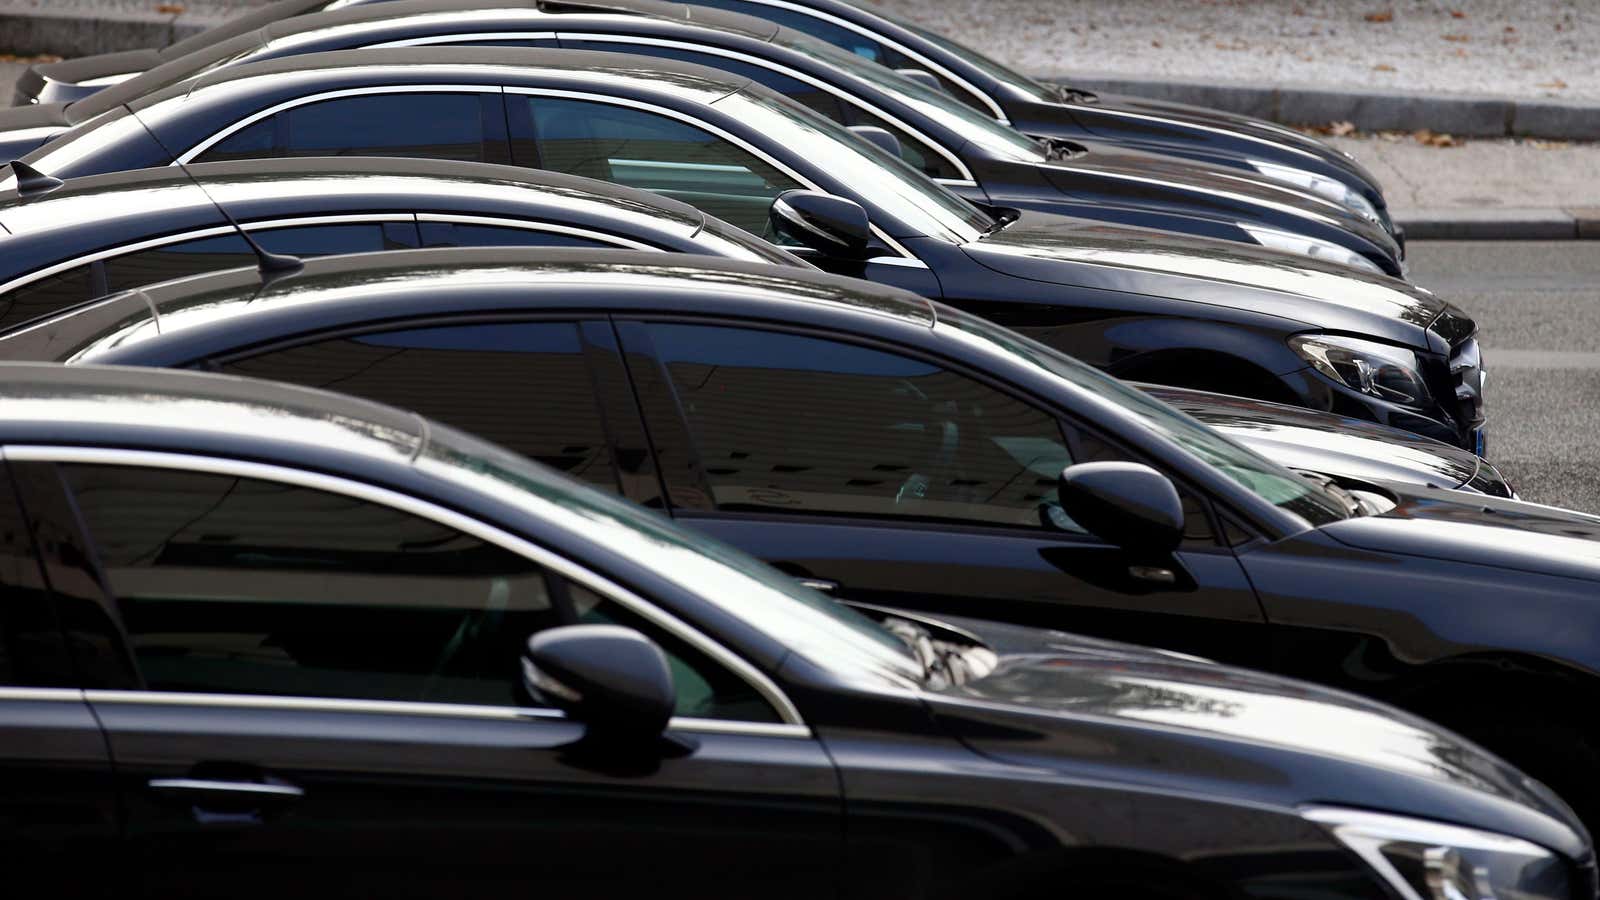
{"x": 31, "y": 182}
{"x": 272, "y": 266}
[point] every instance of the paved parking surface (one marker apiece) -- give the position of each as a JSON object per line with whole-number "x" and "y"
{"x": 1538, "y": 305}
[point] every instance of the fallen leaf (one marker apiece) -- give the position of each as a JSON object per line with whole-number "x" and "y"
{"x": 1429, "y": 138}
{"x": 1383, "y": 67}
{"x": 1552, "y": 83}
{"x": 1155, "y": 43}
{"x": 1458, "y": 38}
{"x": 1386, "y": 15}
{"x": 1511, "y": 29}
{"x": 1341, "y": 129}
{"x": 1537, "y": 144}
{"x": 170, "y": 9}
{"x": 1457, "y": 14}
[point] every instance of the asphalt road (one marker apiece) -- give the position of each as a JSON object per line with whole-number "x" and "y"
{"x": 1538, "y": 307}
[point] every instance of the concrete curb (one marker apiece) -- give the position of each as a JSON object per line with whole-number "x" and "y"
{"x": 1500, "y": 224}
{"x": 1472, "y": 115}
{"x": 28, "y": 30}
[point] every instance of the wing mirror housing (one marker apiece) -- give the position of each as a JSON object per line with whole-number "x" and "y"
{"x": 831, "y": 225}
{"x": 878, "y": 137}
{"x": 1128, "y": 504}
{"x": 614, "y": 680}
{"x": 923, "y": 77}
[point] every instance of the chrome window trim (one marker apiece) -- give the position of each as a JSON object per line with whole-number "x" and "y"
{"x": 706, "y": 126}
{"x": 966, "y": 179}
{"x": 525, "y": 225}
{"x": 247, "y": 121}
{"x": 41, "y": 694}
{"x": 999, "y": 114}
{"x": 429, "y": 40}
{"x": 600, "y": 585}
{"x": 211, "y": 231}
{"x": 405, "y": 708}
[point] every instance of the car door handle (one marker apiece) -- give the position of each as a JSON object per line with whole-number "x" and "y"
{"x": 217, "y": 802}
{"x": 242, "y": 788}
{"x": 820, "y": 584}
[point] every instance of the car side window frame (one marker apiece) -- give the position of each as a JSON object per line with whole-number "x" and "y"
{"x": 922, "y": 142}
{"x": 50, "y": 484}
{"x": 604, "y": 237}
{"x": 522, "y": 141}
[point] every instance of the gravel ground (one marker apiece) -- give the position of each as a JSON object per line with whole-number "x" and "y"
{"x": 1521, "y": 48}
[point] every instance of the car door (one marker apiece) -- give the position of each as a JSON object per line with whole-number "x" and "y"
{"x": 892, "y": 478}
{"x": 58, "y": 804}
{"x": 322, "y": 692}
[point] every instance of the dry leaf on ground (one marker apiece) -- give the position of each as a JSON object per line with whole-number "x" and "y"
{"x": 170, "y": 9}
{"x": 1386, "y": 15}
{"x": 1429, "y": 138}
{"x": 1458, "y": 38}
{"x": 1552, "y": 83}
{"x": 1383, "y": 67}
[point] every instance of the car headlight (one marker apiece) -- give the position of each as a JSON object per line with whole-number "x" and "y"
{"x": 1321, "y": 185}
{"x": 1423, "y": 860}
{"x": 1312, "y": 247}
{"x": 1377, "y": 370}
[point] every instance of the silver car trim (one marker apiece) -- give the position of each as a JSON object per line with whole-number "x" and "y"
{"x": 600, "y": 585}
{"x": 526, "y": 225}
{"x": 429, "y": 40}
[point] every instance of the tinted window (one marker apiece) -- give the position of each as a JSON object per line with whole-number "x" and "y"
{"x": 251, "y": 142}
{"x": 228, "y": 251}
{"x": 659, "y": 154}
{"x": 454, "y": 234}
{"x": 784, "y": 423}
{"x": 523, "y": 385}
{"x": 912, "y": 150}
{"x": 235, "y": 585}
{"x": 45, "y": 295}
{"x": 436, "y": 126}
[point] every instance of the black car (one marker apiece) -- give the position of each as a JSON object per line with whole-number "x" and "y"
{"x": 88, "y": 237}
{"x": 309, "y": 644}
{"x": 1049, "y": 111}
{"x": 902, "y": 453}
{"x": 1147, "y": 305}
{"x": 973, "y": 155}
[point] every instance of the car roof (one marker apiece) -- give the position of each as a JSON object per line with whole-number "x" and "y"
{"x": 177, "y": 321}
{"x": 252, "y": 187}
{"x": 471, "y": 65}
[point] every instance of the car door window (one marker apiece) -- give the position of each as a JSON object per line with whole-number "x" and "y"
{"x": 912, "y": 150}
{"x": 428, "y": 125}
{"x": 524, "y": 385}
{"x": 792, "y": 424}
{"x": 226, "y": 251}
{"x": 457, "y": 234}
{"x": 45, "y": 295}
{"x": 235, "y": 585}
{"x": 658, "y": 154}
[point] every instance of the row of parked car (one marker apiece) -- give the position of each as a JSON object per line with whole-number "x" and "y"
{"x": 996, "y": 379}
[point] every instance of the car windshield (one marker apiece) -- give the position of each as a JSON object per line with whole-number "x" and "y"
{"x": 1261, "y": 476}
{"x": 825, "y": 632}
{"x": 881, "y": 179}
{"x": 992, "y": 68}
{"x": 949, "y": 112}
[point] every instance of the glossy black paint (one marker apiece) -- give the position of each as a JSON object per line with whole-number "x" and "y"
{"x": 975, "y": 157}
{"x": 1003, "y": 785}
{"x": 1129, "y": 504}
{"x": 122, "y": 217}
{"x": 1142, "y": 304}
{"x": 1058, "y": 111}
{"x": 1432, "y": 597}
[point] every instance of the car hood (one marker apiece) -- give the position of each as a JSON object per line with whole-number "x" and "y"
{"x": 1184, "y": 115}
{"x": 1482, "y": 531}
{"x": 1073, "y": 702}
{"x": 1337, "y": 446}
{"x": 1067, "y": 251}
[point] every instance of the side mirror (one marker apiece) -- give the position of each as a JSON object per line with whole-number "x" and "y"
{"x": 833, "y": 225}
{"x": 613, "y": 679}
{"x": 878, "y": 137}
{"x": 1129, "y": 504}
{"x": 923, "y": 77}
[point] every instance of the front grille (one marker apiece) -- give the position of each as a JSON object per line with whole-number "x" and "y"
{"x": 1466, "y": 376}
